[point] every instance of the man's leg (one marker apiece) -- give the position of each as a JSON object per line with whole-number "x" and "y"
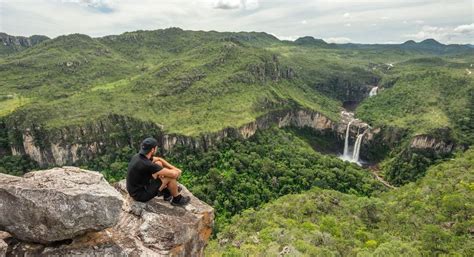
{"x": 172, "y": 185}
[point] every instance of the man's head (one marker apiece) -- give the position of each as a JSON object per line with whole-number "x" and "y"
{"x": 149, "y": 145}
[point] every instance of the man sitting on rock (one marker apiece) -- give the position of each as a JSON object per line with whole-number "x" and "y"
{"x": 150, "y": 176}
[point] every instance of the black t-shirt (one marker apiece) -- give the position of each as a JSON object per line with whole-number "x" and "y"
{"x": 140, "y": 170}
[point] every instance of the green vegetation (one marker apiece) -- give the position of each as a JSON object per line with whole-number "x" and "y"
{"x": 8, "y": 103}
{"x": 16, "y": 165}
{"x": 195, "y": 82}
{"x": 190, "y": 82}
{"x": 424, "y": 101}
{"x": 239, "y": 174}
{"x": 437, "y": 102}
{"x": 432, "y": 217}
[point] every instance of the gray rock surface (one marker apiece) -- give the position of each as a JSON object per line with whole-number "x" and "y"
{"x": 57, "y": 204}
{"x": 3, "y": 248}
{"x": 155, "y": 228}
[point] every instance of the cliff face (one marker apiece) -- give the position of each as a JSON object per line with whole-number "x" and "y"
{"x": 9, "y": 44}
{"x": 297, "y": 118}
{"x": 66, "y": 146}
{"x": 72, "y": 144}
{"x": 155, "y": 228}
{"x": 427, "y": 142}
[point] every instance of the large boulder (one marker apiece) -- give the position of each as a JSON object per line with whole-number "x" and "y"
{"x": 155, "y": 228}
{"x": 57, "y": 204}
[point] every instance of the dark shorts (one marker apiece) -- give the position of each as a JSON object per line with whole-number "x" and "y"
{"x": 151, "y": 190}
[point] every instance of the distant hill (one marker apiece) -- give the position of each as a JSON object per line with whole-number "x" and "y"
{"x": 427, "y": 46}
{"x": 183, "y": 73}
{"x": 310, "y": 41}
{"x": 11, "y": 44}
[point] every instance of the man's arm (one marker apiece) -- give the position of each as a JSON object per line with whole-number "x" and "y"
{"x": 166, "y": 172}
{"x": 164, "y": 163}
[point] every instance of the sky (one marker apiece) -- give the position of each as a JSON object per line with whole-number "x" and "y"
{"x": 338, "y": 21}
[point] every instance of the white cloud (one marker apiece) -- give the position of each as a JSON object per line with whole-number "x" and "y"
{"x": 317, "y": 18}
{"x": 445, "y": 33}
{"x": 236, "y": 4}
{"x": 338, "y": 40}
{"x": 92, "y": 3}
{"x": 468, "y": 28}
{"x": 227, "y": 4}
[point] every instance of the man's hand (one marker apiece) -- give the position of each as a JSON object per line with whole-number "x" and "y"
{"x": 163, "y": 163}
{"x": 170, "y": 173}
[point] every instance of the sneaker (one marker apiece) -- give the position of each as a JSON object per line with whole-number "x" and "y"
{"x": 180, "y": 200}
{"x": 167, "y": 195}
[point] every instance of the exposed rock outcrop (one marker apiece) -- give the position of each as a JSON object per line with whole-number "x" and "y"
{"x": 19, "y": 41}
{"x": 68, "y": 145}
{"x": 427, "y": 142}
{"x": 271, "y": 70}
{"x": 57, "y": 204}
{"x": 297, "y": 118}
{"x": 72, "y": 144}
{"x": 155, "y": 228}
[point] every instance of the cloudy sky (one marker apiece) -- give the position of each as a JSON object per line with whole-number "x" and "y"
{"x": 361, "y": 21}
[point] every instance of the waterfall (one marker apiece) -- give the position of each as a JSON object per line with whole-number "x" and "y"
{"x": 358, "y": 142}
{"x": 373, "y": 91}
{"x": 354, "y": 156}
{"x": 346, "y": 142}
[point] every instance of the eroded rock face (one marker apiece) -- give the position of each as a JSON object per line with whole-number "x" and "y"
{"x": 57, "y": 204}
{"x": 155, "y": 228}
{"x": 426, "y": 142}
{"x": 296, "y": 118}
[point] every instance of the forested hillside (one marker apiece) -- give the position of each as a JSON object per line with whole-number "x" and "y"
{"x": 431, "y": 217}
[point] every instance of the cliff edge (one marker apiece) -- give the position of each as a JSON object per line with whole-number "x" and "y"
{"x": 69, "y": 211}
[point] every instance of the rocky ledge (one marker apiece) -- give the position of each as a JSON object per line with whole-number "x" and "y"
{"x": 155, "y": 228}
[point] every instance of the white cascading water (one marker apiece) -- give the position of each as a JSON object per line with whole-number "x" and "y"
{"x": 358, "y": 142}
{"x": 354, "y": 157}
{"x": 373, "y": 91}
{"x": 346, "y": 142}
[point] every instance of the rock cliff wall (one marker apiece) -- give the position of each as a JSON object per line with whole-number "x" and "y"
{"x": 118, "y": 226}
{"x": 68, "y": 145}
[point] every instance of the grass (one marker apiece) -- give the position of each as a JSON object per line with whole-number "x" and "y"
{"x": 194, "y": 82}
{"x": 421, "y": 100}
{"x": 10, "y": 103}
